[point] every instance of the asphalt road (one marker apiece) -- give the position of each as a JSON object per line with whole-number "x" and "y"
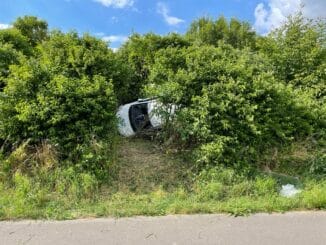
{"x": 262, "y": 229}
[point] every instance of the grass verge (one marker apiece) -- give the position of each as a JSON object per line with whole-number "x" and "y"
{"x": 160, "y": 202}
{"x": 149, "y": 182}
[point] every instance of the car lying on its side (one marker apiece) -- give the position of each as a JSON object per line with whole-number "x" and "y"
{"x": 140, "y": 116}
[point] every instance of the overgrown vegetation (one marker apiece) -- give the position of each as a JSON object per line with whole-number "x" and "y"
{"x": 148, "y": 182}
{"x": 251, "y": 116}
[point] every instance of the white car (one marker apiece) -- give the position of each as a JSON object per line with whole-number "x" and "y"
{"x": 139, "y": 116}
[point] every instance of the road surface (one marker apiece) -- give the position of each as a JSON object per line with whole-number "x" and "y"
{"x": 298, "y": 228}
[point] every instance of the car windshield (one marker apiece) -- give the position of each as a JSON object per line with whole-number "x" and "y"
{"x": 138, "y": 115}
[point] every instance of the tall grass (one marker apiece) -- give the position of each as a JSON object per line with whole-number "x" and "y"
{"x": 67, "y": 194}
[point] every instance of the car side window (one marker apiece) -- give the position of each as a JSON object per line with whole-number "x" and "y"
{"x": 138, "y": 115}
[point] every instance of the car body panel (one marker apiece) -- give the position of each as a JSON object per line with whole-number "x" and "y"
{"x": 124, "y": 126}
{"x": 151, "y": 118}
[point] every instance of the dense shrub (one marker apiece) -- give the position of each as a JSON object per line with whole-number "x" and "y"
{"x": 238, "y": 96}
{"x": 242, "y": 102}
{"x": 297, "y": 51}
{"x": 74, "y": 56}
{"x": 12, "y": 45}
{"x": 233, "y": 121}
{"x": 231, "y": 108}
{"x": 37, "y": 105}
{"x": 136, "y": 57}
{"x": 8, "y": 56}
{"x": 207, "y": 31}
{"x": 16, "y": 39}
{"x": 181, "y": 73}
{"x": 63, "y": 95}
{"x": 318, "y": 165}
{"x": 33, "y": 28}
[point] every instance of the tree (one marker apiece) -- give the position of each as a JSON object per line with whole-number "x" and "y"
{"x": 192, "y": 68}
{"x": 18, "y": 41}
{"x": 297, "y": 51}
{"x": 87, "y": 56}
{"x": 12, "y": 45}
{"x": 64, "y": 94}
{"x": 8, "y": 56}
{"x": 32, "y": 28}
{"x": 206, "y": 31}
{"x": 240, "y": 34}
{"x": 139, "y": 52}
{"x": 222, "y": 28}
{"x": 76, "y": 56}
{"x": 231, "y": 109}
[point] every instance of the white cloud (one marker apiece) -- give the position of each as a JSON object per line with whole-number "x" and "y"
{"x": 163, "y": 10}
{"x": 115, "y": 39}
{"x": 114, "y": 50}
{"x": 116, "y": 3}
{"x": 275, "y": 13}
{"x": 314, "y": 8}
{"x": 4, "y": 26}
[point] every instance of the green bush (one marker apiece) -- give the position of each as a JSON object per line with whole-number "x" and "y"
{"x": 8, "y": 56}
{"x": 66, "y": 111}
{"x": 135, "y": 58}
{"x": 207, "y": 31}
{"x": 297, "y": 52}
{"x": 97, "y": 157}
{"x": 33, "y": 28}
{"x": 60, "y": 102}
{"x": 16, "y": 40}
{"x": 44, "y": 99}
{"x": 231, "y": 109}
{"x": 235, "y": 121}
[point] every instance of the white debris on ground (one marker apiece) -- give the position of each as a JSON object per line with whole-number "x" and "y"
{"x": 289, "y": 190}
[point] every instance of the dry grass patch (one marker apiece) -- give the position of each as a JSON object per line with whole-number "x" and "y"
{"x": 143, "y": 167}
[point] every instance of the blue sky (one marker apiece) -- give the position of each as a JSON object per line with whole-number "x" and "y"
{"x": 114, "y": 20}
